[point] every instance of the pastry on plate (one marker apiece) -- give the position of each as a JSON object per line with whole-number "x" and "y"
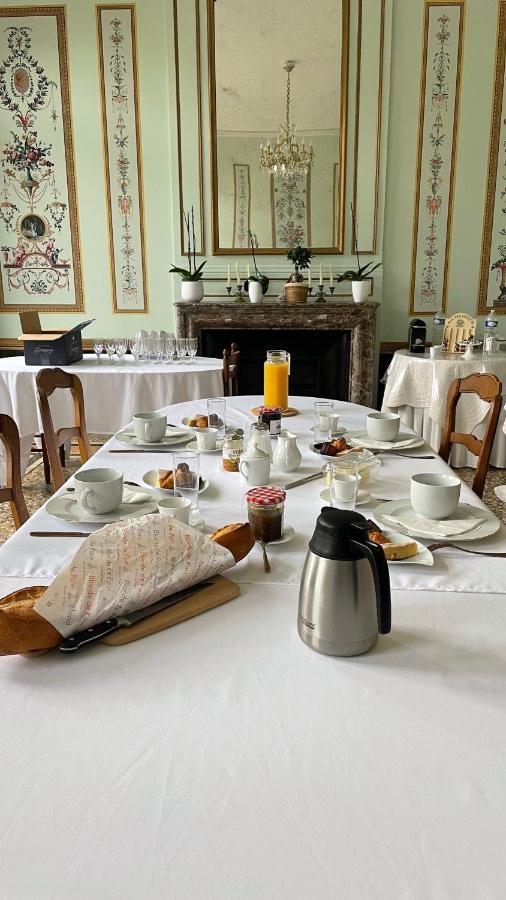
{"x": 392, "y": 550}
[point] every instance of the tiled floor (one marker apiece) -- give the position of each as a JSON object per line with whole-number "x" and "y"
{"x": 36, "y": 493}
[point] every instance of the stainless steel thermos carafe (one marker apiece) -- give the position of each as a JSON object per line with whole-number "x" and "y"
{"x": 344, "y": 598}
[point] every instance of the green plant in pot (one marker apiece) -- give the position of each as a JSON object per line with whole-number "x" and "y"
{"x": 192, "y": 286}
{"x": 361, "y": 276}
{"x": 296, "y": 289}
{"x": 250, "y": 285}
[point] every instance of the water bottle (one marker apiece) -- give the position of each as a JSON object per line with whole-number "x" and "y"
{"x": 438, "y": 328}
{"x": 491, "y": 323}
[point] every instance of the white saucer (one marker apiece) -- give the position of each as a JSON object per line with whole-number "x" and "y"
{"x": 129, "y": 437}
{"x": 68, "y": 510}
{"x": 362, "y": 497}
{"x": 488, "y": 523}
{"x": 335, "y": 434}
{"x": 288, "y": 534}
{"x": 404, "y": 441}
{"x": 194, "y": 446}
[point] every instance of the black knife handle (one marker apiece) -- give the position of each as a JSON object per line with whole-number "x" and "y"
{"x": 89, "y": 634}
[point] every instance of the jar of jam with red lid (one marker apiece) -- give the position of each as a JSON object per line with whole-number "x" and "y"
{"x": 271, "y": 416}
{"x": 265, "y": 512}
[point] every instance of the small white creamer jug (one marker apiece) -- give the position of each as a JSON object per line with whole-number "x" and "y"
{"x": 255, "y": 466}
{"x": 287, "y": 455}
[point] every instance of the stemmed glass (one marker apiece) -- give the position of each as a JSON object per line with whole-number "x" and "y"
{"x": 134, "y": 345}
{"x": 110, "y": 348}
{"x": 98, "y": 346}
{"x": 121, "y": 348}
{"x": 191, "y": 344}
{"x": 168, "y": 350}
{"x": 181, "y": 350}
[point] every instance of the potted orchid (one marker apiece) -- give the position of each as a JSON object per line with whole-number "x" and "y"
{"x": 192, "y": 287}
{"x": 361, "y": 276}
{"x": 255, "y": 285}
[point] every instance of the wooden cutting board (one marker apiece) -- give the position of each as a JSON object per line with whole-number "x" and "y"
{"x": 220, "y": 592}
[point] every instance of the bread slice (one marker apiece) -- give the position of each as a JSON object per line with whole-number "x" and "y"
{"x": 391, "y": 550}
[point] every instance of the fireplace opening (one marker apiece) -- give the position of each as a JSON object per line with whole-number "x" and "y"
{"x": 320, "y": 360}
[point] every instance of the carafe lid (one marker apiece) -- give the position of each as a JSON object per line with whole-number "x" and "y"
{"x": 332, "y": 535}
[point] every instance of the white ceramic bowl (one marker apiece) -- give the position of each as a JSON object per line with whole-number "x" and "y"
{"x": 435, "y": 496}
{"x": 383, "y": 426}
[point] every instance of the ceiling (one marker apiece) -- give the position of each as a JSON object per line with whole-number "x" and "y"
{"x": 252, "y": 40}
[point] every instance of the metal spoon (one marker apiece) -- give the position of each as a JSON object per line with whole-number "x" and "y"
{"x": 267, "y": 565}
{"x": 442, "y": 545}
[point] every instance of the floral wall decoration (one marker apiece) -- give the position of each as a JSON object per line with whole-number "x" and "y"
{"x": 437, "y": 136}
{"x": 242, "y": 205}
{"x": 39, "y": 237}
{"x": 122, "y": 154}
{"x": 290, "y": 209}
{"x": 492, "y": 287}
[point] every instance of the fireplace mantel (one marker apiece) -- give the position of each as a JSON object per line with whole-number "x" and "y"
{"x": 358, "y": 318}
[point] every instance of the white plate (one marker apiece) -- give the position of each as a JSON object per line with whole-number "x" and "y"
{"x": 68, "y": 510}
{"x": 229, "y": 429}
{"x": 129, "y": 437}
{"x": 423, "y": 558}
{"x": 404, "y": 441}
{"x": 489, "y": 523}
{"x": 363, "y": 497}
{"x": 150, "y": 480}
{"x": 287, "y": 535}
{"x": 339, "y": 431}
{"x": 194, "y": 446}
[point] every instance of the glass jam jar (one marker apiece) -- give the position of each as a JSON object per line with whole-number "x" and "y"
{"x": 265, "y": 512}
{"x": 271, "y": 416}
{"x": 259, "y": 437}
{"x": 233, "y": 445}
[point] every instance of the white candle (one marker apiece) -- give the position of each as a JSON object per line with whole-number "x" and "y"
{"x": 237, "y": 272}
{"x": 249, "y": 272}
{"x": 321, "y": 274}
{"x": 331, "y": 277}
{"x": 229, "y": 283}
{"x": 309, "y": 276}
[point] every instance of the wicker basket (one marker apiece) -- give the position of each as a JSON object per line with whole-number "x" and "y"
{"x": 296, "y": 292}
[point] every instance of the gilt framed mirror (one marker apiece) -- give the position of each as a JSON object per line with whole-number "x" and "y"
{"x": 278, "y": 98}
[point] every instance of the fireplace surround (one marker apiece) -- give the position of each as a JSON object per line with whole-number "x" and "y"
{"x": 333, "y": 345}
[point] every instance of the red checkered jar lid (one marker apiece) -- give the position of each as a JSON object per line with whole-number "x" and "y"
{"x": 266, "y": 496}
{"x": 270, "y": 409}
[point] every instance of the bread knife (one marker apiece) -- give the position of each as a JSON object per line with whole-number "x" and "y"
{"x": 96, "y": 632}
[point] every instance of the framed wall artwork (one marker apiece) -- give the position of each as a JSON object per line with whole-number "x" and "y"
{"x": 437, "y": 139}
{"x": 291, "y": 211}
{"x": 242, "y": 206}
{"x": 117, "y": 50}
{"x": 492, "y": 285}
{"x": 40, "y": 260}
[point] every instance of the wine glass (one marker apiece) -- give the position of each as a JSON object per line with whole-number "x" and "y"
{"x": 98, "y": 346}
{"x": 181, "y": 350}
{"x": 192, "y": 345}
{"x": 168, "y": 350}
{"x": 121, "y": 348}
{"x": 110, "y": 348}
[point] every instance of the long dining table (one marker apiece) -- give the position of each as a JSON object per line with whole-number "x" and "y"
{"x": 224, "y": 759}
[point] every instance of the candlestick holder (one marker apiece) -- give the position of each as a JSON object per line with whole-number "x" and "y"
{"x": 239, "y": 296}
{"x": 332, "y": 289}
{"x": 310, "y": 292}
{"x": 320, "y": 297}
{"x": 229, "y": 290}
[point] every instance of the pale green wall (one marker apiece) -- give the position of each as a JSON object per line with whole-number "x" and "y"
{"x": 400, "y": 124}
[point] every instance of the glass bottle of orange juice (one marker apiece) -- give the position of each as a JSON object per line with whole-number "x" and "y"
{"x": 276, "y": 373}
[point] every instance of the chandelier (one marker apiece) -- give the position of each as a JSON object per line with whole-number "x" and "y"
{"x": 286, "y": 158}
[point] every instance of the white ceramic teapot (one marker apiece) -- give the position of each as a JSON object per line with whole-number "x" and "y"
{"x": 255, "y": 466}
{"x": 287, "y": 455}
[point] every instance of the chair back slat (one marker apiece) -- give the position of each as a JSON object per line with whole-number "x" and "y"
{"x": 48, "y": 381}
{"x": 231, "y": 370}
{"x": 12, "y": 493}
{"x": 488, "y": 388}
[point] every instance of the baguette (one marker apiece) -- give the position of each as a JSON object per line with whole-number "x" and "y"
{"x": 22, "y": 630}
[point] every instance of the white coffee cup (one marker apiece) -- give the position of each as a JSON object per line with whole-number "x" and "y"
{"x": 176, "y": 508}
{"x": 99, "y": 490}
{"x": 435, "y": 496}
{"x": 255, "y": 467}
{"x": 334, "y": 422}
{"x": 150, "y": 427}
{"x": 383, "y": 426}
{"x": 206, "y": 438}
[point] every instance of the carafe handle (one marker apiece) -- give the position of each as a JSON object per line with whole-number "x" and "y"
{"x": 379, "y": 566}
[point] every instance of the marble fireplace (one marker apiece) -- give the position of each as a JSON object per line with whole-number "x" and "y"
{"x": 333, "y": 345}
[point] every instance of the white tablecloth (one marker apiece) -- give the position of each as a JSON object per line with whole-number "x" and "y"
{"x": 224, "y": 759}
{"x": 112, "y": 392}
{"x": 417, "y": 388}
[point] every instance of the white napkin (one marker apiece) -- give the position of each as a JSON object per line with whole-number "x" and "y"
{"x": 130, "y": 496}
{"x": 408, "y": 518}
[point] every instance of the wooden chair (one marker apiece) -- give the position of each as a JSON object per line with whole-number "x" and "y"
{"x": 49, "y": 380}
{"x": 231, "y": 371}
{"x": 13, "y": 491}
{"x": 488, "y": 388}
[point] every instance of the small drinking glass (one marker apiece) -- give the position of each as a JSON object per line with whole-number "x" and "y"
{"x": 110, "y": 348}
{"x": 344, "y": 484}
{"x": 260, "y": 437}
{"x": 98, "y": 346}
{"x": 217, "y": 416}
{"x": 185, "y": 465}
{"x": 322, "y": 421}
{"x": 121, "y": 348}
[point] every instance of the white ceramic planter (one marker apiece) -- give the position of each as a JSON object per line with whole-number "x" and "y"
{"x": 255, "y": 292}
{"x": 360, "y": 290}
{"x": 192, "y": 291}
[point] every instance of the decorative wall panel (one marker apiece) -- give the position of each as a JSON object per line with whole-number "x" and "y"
{"x": 242, "y": 205}
{"x": 437, "y": 138}
{"x": 122, "y": 154}
{"x": 492, "y": 287}
{"x": 39, "y": 236}
{"x": 291, "y": 211}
